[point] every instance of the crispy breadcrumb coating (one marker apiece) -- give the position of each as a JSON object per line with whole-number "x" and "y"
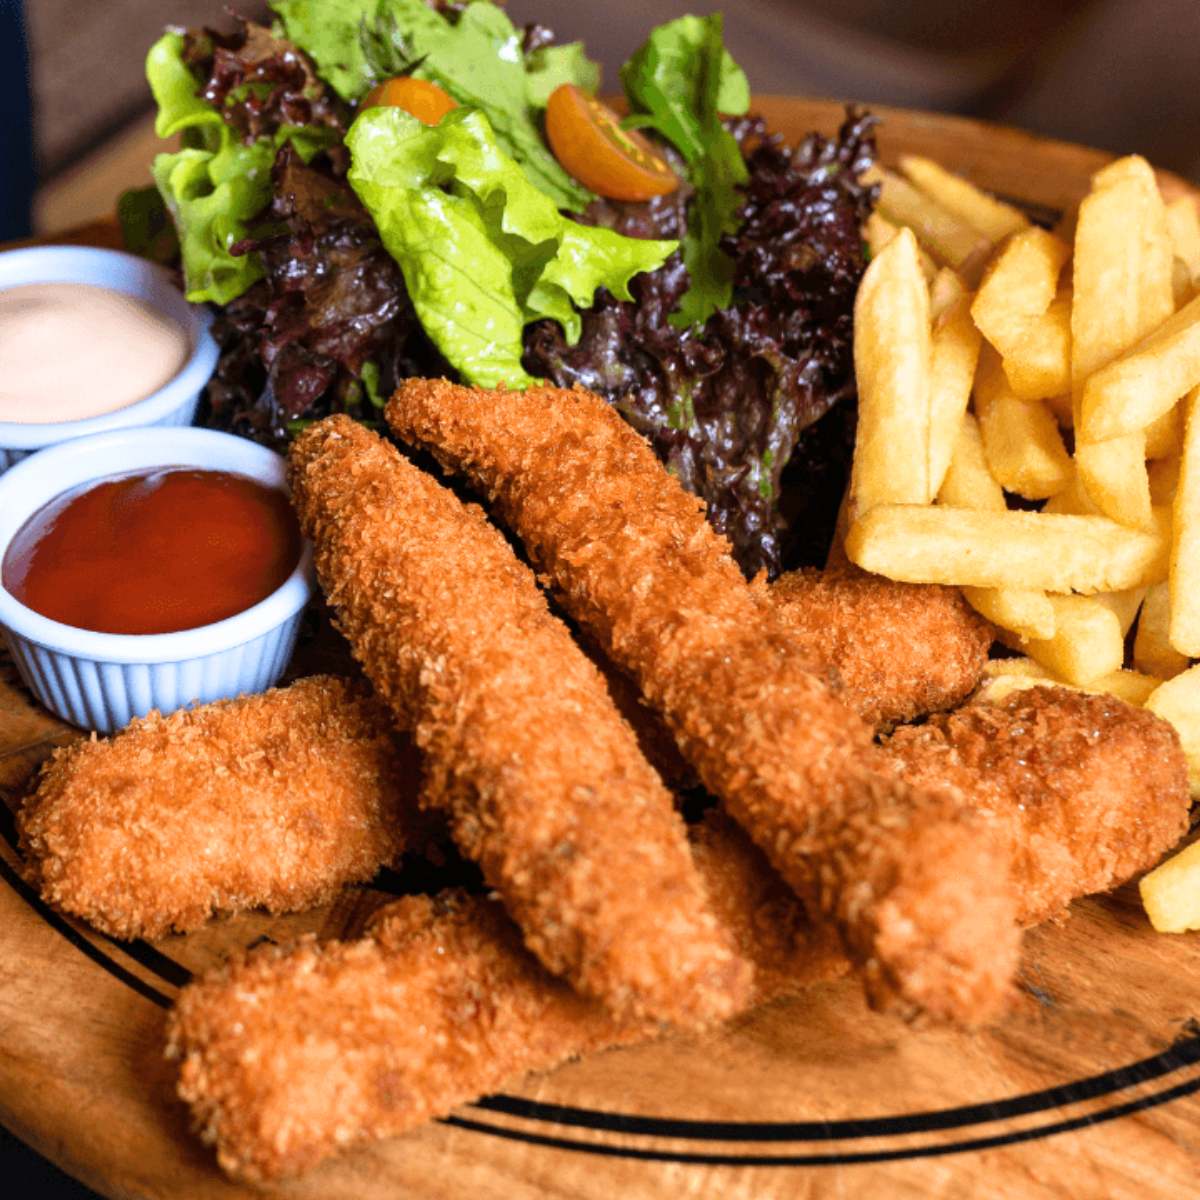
{"x": 290, "y": 1055}
{"x": 272, "y": 801}
{"x": 901, "y": 649}
{"x": 917, "y": 894}
{"x": 542, "y": 780}
{"x": 1084, "y": 790}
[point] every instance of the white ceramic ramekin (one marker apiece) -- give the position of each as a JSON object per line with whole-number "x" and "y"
{"x": 102, "y": 680}
{"x": 174, "y": 404}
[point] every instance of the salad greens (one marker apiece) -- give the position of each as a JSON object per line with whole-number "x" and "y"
{"x": 482, "y": 250}
{"x": 684, "y": 79}
{"x": 479, "y": 60}
{"x": 216, "y": 184}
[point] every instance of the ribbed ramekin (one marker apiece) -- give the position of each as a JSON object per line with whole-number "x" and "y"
{"x": 173, "y": 404}
{"x": 103, "y": 680}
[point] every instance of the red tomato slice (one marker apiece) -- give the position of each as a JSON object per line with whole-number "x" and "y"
{"x": 587, "y": 139}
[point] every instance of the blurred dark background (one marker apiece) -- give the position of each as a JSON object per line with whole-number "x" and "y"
{"x": 1119, "y": 74}
{"x": 75, "y": 118}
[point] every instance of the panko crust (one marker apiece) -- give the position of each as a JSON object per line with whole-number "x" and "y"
{"x": 541, "y": 778}
{"x": 634, "y": 561}
{"x": 901, "y": 650}
{"x": 1085, "y": 791}
{"x": 290, "y": 1055}
{"x": 274, "y": 801}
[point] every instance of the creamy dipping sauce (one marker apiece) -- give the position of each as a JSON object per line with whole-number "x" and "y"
{"x": 70, "y": 351}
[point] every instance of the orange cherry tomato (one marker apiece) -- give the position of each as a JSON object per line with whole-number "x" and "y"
{"x": 424, "y": 100}
{"x": 587, "y": 139}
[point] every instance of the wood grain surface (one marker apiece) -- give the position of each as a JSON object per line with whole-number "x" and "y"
{"x": 1088, "y": 1088}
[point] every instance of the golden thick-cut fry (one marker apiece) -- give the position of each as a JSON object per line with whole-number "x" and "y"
{"x": 945, "y": 288}
{"x": 1164, "y": 435}
{"x": 968, "y": 482}
{"x": 993, "y": 218}
{"x": 1025, "y": 611}
{"x": 1146, "y": 381}
{"x": 1018, "y": 286}
{"x": 1164, "y": 479}
{"x": 1185, "y": 537}
{"x": 1114, "y": 476}
{"x": 1038, "y": 366}
{"x": 1152, "y": 649}
{"x": 1183, "y": 226}
{"x": 1123, "y": 289}
{"x": 1087, "y": 641}
{"x": 1125, "y": 604}
{"x": 1130, "y": 686}
{"x": 955, "y": 353}
{"x": 1171, "y": 892}
{"x": 879, "y": 231}
{"x": 1021, "y": 441}
{"x": 892, "y": 367}
{"x": 1178, "y": 702}
{"x": 1054, "y": 553}
{"x": 948, "y": 238}
{"x": 1072, "y": 499}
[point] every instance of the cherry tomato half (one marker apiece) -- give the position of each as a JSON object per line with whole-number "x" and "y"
{"x": 587, "y": 139}
{"x": 424, "y": 100}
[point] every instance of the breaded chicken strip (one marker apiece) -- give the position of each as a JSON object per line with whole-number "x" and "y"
{"x": 916, "y": 893}
{"x": 291, "y": 1055}
{"x": 900, "y": 649}
{"x": 542, "y": 780}
{"x": 1084, "y": 791}
{"x": 275, "y": 800}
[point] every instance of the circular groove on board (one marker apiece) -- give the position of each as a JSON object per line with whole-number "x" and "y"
{"x": 546, "y": 1125}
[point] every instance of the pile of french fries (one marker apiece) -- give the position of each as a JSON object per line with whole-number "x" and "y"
{"x": 1029, "y": 431}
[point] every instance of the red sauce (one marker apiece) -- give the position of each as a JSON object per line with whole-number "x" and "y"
{"x": 154, "y": 552}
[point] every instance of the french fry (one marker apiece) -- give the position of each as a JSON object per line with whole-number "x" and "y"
{"x": 1185, "y": 537}
{"x": 1178, "y": 702}
{"x": 1072, "y": 499}
{"x": 1145, "y": 382}
{"x": 1023, "y": 611}
{"x": 1039, "y": 366}
{"x": 1062, "y": 408}
{"x": 1131, "y": 686}
{"x": 1152, "y": 649}
{"x": 1021, "y": 441}
{"x": 949, "y": 238}
{"x": 1125, "y": 604}
{"x": 968, "y": 482}
{"x": 955, "y": 351}
{"x": 1122, "y": 289}
{"x": 892, "y": 365}
{"x": 878, "y": 231}
{"x": 1113, "y": 474}
{"x": 1086, "y": 645}
{"x": 967, "y": 548}
{"x": 1164, "y": 479}
{"x": 1183, "y": 226}
{"x": 996, "y": 668}
{"x": 1165, "y": 434}
{"x": 1018, "y": 287}
{"x": 1171, "y": 892}
{"x": 993, "y": 218}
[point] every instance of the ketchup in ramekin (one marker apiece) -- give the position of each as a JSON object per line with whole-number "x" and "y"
{"x": 154, "y": 552}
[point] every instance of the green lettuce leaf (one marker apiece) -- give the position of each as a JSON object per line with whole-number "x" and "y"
{"x": 215, "y": 185}
{"x": 483, "y": 251}
{"x": 552, "y": 66}
{"x": 478, "y": 60}
{"x": 679, "y": 83}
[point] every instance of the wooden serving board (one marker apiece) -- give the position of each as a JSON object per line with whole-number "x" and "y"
{"x": 1090, "y": 1087}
